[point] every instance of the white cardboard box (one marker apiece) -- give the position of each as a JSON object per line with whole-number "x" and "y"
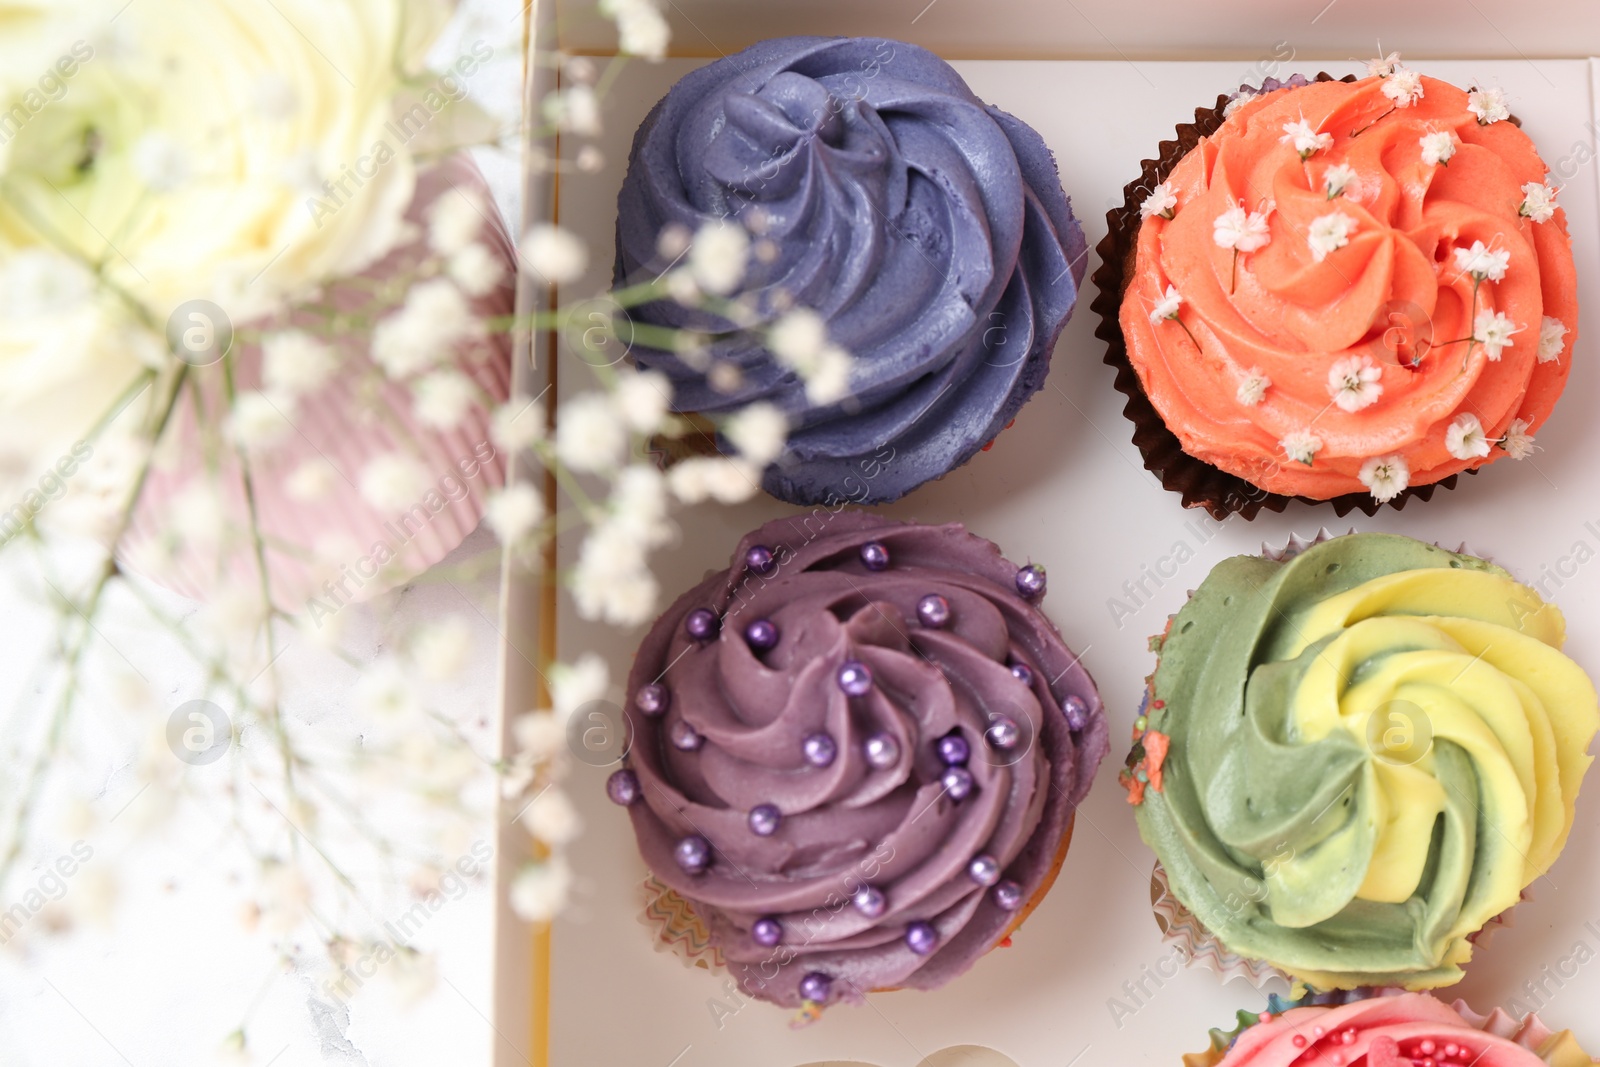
{"x": 1065, "y": 487}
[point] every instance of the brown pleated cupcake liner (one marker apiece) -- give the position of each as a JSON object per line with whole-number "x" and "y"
{"x": 1200, "y": 484}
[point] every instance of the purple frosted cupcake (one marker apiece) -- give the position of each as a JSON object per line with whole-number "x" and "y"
{"x": 857, "y": 753}
{"x": 926, "y": 228}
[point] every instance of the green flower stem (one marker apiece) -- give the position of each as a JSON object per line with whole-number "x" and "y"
{"x": 34, "y": 777}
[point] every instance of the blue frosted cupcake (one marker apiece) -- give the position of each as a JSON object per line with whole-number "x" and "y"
{"x": 928, "y": 230}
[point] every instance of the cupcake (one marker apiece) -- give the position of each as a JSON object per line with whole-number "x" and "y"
{"x": 856, "y": 755}
{"x": 1347, "y": 291}
{"x": 1401, "y": 1030}
{"x": 927, "y": 230}
{"x": 1353, "y": 759}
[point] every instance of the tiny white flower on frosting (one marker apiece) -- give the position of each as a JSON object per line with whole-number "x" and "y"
{"x": 1493, "y": 331}
{"x": 1403, "y": 86}
{"x": 1302, "y": 446}
{"x": 1240, "y": 230}
{"x": 1355, "y": 383}
{"x": 1481, "y": 263}
{"x": 1385, "y": 477}
{"x": 1552, "y": 338}
{"x": 1437, "y": 148}
{"x": 1464, "y": 438}
{"x": 1254, "y": 388}
{"x": 1337, "y": 178}
{"x": 1383, "y": 66}
{"x": 1489, "y": 105}
{"x": 1167, "y": 307}
{"x": 1330, "y": 232}
{"x": 1518, "y": 442}
{"x": 1306, "y": 140}
{"x": 1161, "y": 201}
{"x": 1539, "y": 202}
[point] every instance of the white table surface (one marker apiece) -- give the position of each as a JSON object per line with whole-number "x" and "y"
{"x": 176, "y": 969}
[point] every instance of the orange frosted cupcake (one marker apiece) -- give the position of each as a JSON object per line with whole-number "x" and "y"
{"x": 1346, "y": 291}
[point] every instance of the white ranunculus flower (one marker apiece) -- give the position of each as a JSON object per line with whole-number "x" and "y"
{"x": 134, "y": 137}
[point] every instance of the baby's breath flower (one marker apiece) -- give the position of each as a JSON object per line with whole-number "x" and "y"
{"x": 1464, "y": 437}
{"x": 590, "y": 433}
{"x": 558, "y": 256}
{"x": 1552, "y": 338}
{"x": 514, "y": 512}
{"x": 718, "y": 257}
{"x": 294, "y": 362}
{"x": 1385, "y": 477}
{"x": 758, "y": 431}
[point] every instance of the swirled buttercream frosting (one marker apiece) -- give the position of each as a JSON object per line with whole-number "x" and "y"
{"x": 1358, "y": 757}
{"x": 856, "y": 754}
{"x": 1354, "y": 287}
{"x": 1392, "y": 1031}
{"x": 928, "y": 230}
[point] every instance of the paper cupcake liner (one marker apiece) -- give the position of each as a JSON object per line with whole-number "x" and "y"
{"x": 1556, "y": 1048}
{"x": 363, "y": 548}
{"x": 1180, "y": 927}
{"x": 1200, "y": 484}
{"x": 676, "y": 929}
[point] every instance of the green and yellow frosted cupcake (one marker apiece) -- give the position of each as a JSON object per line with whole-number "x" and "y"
{"x": 1353, "y": 758}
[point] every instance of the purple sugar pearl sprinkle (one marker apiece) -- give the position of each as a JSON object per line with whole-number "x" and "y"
{"x": 759, "y": 559}
{"x": 1022, "y": 673}
{"x": 870, "y": 901}
{"x": 875, "y": 556}
{"x": 623, "y": 787}
{"x": 1030, "y": 581}
{"x": 816, "y": 987}
{"x": 984, "y": 869}
{"x": 766, "y": 931}
{"x": 855, "y": 678}
{"x": 702, "y": 624}
{"x": 693, "y": 854}
{"x": 881, "y": 750}
{"x": 1076, "y": 711}
{"x": 761, "y": 635}
{"x": 820, "y": 750}
{"x": 958, "y": 783}
{"x": 933, "y": 611}
{"x": 1007, "y": 895}
{"x": 921, "y": 938}
{"x": 953, "y": 749}
{"x": 652, "y": 699}
{"x": 764, "y": 819}
{"x": 684, "y": 738}
{"x": 1003, "y": 733}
